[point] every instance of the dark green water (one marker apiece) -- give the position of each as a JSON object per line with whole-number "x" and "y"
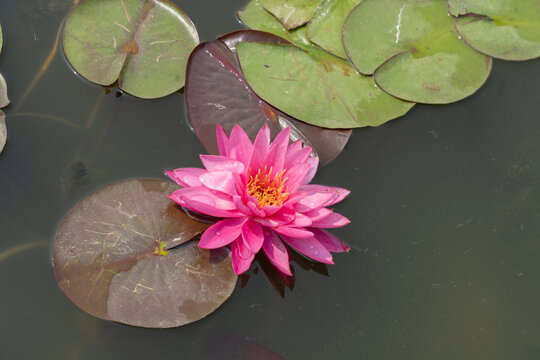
{"x": 445, "y": 211}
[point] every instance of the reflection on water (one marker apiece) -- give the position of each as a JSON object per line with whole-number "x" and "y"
{"x": 444, "y": 207}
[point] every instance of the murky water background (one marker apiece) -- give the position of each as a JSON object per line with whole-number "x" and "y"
{"x": 445, "y": 211}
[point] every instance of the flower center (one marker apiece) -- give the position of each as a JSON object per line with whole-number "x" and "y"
{"x": 266, "y": 190}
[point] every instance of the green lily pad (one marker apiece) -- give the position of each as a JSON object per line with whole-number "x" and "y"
{"x": 325, "y": 28}
{"x": 413, "y": 50}
{"x": 3, "y": 131}
{"x": 291, "y": 13}
{"x": 505, "y": 29}
{"x": 144, "y": 44}
{"x": 123, "y": 254}
{"x": 4, "y": 101}
{"x": 256, "y": 17}
{"x": 316, "y": 87}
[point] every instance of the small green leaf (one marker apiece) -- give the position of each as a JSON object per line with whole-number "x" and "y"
{"x": 144, "y": 44}
{"x": 291, "y": 13}
{"x": 316, "y": 87}
{"x": 325, "y": 29}
{"x": 413, "y": 50}
{"x": 505, "y": 29}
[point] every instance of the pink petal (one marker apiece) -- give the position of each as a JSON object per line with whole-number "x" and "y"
{"x": 270, "y": 210}
{"x": 318, "y": 214}
{"x": 330, "y": 241}
{"x": 203, "y": 201}
{"x": 222, "y": 233}
{"x": 312, "y": 248}
{"x": 276, "y": 153}
{"x": 186, "y": 176}
{"x": 240, "y": 147}
{"x": 295, "y": 157}
{"x": 295, "y": 176}
{"x": 314, "y": 164}
{"x": 340, "y": 193}
{"x": 260, "y": 149}
{"x": 216, "y": 162}
{"x": 334, "y": 220}
{"x": 297, "y": 233}
{"x": 276, "y": 252}
{"x": 314, "y": 200}
{"x": 222, "y": 181}
{"x": 300, "y": 220}
{"x": 241, "y": 256}
{"x": 239, "y": 202}
{"x": 222, "y": 141}
{"x": 283, "y": 217}
{"x": 253, "y": 206}
{"x": 252, "y": 235}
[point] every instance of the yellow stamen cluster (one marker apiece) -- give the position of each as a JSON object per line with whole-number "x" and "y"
{"x": 266, "y": 190}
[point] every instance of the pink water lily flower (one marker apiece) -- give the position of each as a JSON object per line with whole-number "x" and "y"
{"x": 262, "y": 193}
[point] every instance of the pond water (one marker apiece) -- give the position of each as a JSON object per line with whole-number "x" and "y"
{"x": 445, "y": 211}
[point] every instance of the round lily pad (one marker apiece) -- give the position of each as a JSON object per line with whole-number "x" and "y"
{"x": 326, "y": 26}
{"x": 123, "y": 254}
{"x": 3, "y": 131}
{"x": 216, "y": 92}
{"x": 316, "y": 87}
{"x": 505, "y": 29}
{"x": 144, "y": 44}
{"x": 413, "y": 50}
{"x": 291, "y": 13}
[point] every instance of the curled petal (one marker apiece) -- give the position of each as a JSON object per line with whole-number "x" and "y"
{"x": 312, "y": 248}
{"x": 276, "y": 252}
{"x": 339, "y": 192}
{"x": 260, "y": 149}
{"x": 203, "y": 201}
{"x": 277, "y": 150}
{"x": 292, "y": 232}
{"x": 240, "y": 147}
{"x": 313, "y": 165}
{"x": 222, "y": 141}
{"x": 330, "y": 241}
{"x": 222, "y": 233}
{"x": 216, "y": 162}
{"x": 241, "y": 256}
{"x": 222, "y": 181}
{"x": 186, "y": 176}
{"x": 334, "y": 220}
{"x": 252, "y": 235}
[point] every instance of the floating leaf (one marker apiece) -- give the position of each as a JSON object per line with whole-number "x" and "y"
{"x": 256, "y": 17}
{"x": 325, "y": 29}
{"x": 121, "y": 255}
{"x": 413, "y": 50}
{"x": 3, "y": 131}
{"x": 216, "y": 92}
{"x": 316, "y": 87}
{"x": 291, "y": 13}
{"x": 505, "y": 29}
{"x": 4, "y": 101}
{"x": 144, "y": 44}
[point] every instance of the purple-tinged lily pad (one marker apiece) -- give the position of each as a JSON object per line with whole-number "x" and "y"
{"x": 144, "y": 44}
{"x": 217, "y": 92}
{"x": 123, "y": 254}
{"x": 3, "y": 131}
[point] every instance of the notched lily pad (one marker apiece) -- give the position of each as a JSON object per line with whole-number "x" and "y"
{"x": 291, "y": 13}
{"x": 123, "y": 254}
{"x": 144, "y": 44}
{"x": 326, "y": 26}
{"x": 505, "y": 29}
{"x": 216, "y": 92}
{"x": 413, "y": 50}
